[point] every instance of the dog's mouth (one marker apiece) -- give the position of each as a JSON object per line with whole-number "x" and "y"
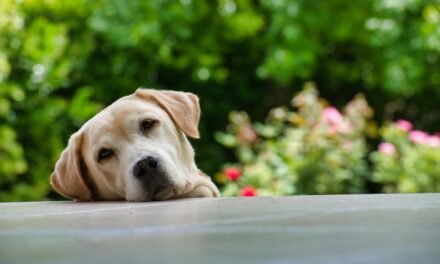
{"x": 163, "y": 192}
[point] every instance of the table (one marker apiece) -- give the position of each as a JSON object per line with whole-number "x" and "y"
{"x": 380, "y": 228}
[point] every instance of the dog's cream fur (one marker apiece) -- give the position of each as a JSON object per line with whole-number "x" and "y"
{"x": 81, "y": 176}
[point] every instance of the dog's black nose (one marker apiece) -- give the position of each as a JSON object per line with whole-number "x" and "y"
{"x": 145, "y": 166}
{"x": 152, "y": 162}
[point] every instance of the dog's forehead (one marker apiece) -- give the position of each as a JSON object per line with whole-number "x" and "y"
{"x": 127, "y": 107}
{"x": 115, "y": 118}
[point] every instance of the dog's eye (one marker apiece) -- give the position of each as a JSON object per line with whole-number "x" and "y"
{"x": 146, "y": 124}
{"x": 105, "y": 154}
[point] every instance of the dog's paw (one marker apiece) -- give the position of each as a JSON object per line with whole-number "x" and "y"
{"x": 202, "y": 191}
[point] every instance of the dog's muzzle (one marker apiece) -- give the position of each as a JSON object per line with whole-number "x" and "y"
{"x": 151, "y": 173}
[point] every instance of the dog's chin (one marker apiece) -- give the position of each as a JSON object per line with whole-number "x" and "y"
{"x": 164, "y": 193}
{"x": 161, "y": 194}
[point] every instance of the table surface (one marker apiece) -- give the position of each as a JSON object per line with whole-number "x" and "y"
{"x": 307, "y": 229}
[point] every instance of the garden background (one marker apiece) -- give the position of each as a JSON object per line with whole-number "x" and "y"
{"x": 375, "y": 64}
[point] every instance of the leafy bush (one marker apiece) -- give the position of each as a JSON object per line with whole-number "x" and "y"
{"x": 408, "y": 160}
{"x": 315, "y": 149}
{"x": 312, "y": 150}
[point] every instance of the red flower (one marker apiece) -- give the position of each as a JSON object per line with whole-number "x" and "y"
{"x": 248, "y": 191}
{"x": 232, "y": 173}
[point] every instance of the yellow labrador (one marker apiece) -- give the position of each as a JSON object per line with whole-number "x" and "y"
{"x": 135, "y": 149}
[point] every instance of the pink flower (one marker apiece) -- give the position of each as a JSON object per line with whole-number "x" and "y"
{"x": 247, "y": 134}
{"x": 387, "y": 148}
{"x": 331, "y": 115}
{"x": 419, "y": 137}
{"x": 404, "y": 124}
{"x": 335, "y": 121}
{"x": 248, "y": 191}
{"x": 232, "y": 173}
{"x": 433, "y": 141}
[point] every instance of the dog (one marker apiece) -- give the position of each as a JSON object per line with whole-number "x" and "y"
{"x": 136, "y": 149}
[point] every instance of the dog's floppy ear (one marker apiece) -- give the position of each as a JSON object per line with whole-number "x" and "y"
{"x": 68, "y": 177}
{"x": 183, "y": 108}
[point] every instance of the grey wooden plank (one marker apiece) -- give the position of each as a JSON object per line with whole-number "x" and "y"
{"x": 310, "y": 229}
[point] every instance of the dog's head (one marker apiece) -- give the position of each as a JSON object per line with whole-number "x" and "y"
{"x": 135, "y": 149}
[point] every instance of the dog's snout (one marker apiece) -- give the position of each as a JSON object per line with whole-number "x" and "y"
{"x": 151, "y": 172}
{"x": 145, "y": 166}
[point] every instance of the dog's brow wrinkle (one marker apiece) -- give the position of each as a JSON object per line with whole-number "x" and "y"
{"x": 120, "y": 124}
{"x": 116, "y": 126}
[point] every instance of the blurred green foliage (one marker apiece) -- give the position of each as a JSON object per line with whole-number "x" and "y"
{"x": 62, "y": 61}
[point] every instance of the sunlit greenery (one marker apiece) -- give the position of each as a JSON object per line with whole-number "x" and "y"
{"x": 62, "y": 61}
